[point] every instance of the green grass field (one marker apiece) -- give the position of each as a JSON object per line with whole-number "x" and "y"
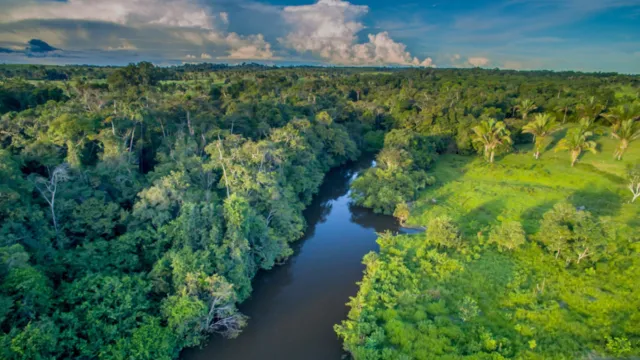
{"x": 519, "y": 187}
{"x": 420, "y": 301}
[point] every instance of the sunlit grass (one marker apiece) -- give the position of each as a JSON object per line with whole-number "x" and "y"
{"x": 518, "y": 187}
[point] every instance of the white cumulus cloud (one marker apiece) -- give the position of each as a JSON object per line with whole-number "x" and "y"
{"x": 170, "y": 26}
{"x": 252, "y": 47}
{"x": 329, "y": 29}
{"x": 224, "y": 16}
{"x": 478, "y": 61}
{"x": 175, "y": 13}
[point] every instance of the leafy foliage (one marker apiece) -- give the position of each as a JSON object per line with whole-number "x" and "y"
{"x": 137, "y": 204}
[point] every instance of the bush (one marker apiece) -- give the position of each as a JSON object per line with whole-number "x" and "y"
{"x": 443, "y": 232}
{"x": 508, "y": 236}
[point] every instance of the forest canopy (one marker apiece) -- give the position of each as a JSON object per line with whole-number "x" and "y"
{"x": 137, "y": 204}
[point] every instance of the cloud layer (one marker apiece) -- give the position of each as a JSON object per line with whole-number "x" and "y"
{"x": 158, "y": 29}
{"x": 173, "y": 13}
{"x": 329, "y": 29}
{"x": 591, "y": 35}
{"x": 178, "y": 30}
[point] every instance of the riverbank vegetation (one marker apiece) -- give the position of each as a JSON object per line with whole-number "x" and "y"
{"x": 532, "y": 256}
{"x": 135, "y": 214}
{"x": 138, "y": 203}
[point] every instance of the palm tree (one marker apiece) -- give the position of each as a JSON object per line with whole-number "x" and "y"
{"x": 628, "y": 131}
{"x": 587, "y": 124}
{"x": 525, "y": 107}
{"x": 564, "y": 109}
{"x": 575, "y": 142}
{"x": 491, "y": 134}
{"x": 591, "y": 109}
{"x": 620, "y": 114}
{"x": 541, "y": 128}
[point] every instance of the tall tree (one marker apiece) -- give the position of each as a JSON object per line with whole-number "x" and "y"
{"x": 541, "y": 128}
{"x": 628, "y": 131}
{"x": 577, "y": 141}
{"x": 48, "y": 188}
{"x": 525, "y": 107}
{"x": 590, "y": 109}
{"x": 491, "y": 134}
{"x": 620, "y": 114}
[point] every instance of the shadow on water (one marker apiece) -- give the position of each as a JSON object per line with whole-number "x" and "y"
{"x": 293, "y": 307}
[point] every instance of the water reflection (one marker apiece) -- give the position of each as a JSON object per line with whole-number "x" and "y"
{"x": 294, "y": 307}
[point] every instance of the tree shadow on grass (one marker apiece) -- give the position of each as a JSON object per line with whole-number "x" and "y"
{"x": 600, "y": 202}
{"x": 609, "y": 176}
{"x": 555, "y": 139}
{"x": 533, "y": 216}
{"x": 480, "y": 218}
{"x": 456, "y": 169}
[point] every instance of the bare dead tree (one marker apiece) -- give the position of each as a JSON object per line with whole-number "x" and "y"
{"x": 224, "y": 168}
{"x": 223, "y": 317}
{"x": 48, "y": 188}
{"x": 634, "y": 186}
{"x": 191, "y": 132}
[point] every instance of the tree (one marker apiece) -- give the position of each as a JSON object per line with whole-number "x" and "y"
{"x": 442, "y": 231}
{"x": 590, "y": 109}
{"x": 634, "y": 181}
{"x": 621, "y": 114}
{"x": 525, "y": 107}
{"x": 576, "y": 142}
{"x": 48, "y": 188}
{"x": 402, "y": 213}
{"x": 72, "y": 131}
{"x": 571, "y": 234}
{"x": 628, "y": 131}
{"x": 205, "y": 305}
{"x": 150, "y": 341}
{"x": 541, "y": 128}
{"x": 491, "y": 134}
{"x": 509, "y": 235}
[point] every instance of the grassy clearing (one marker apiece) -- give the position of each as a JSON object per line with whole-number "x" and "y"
{"x": 518, "y": 187}
{"x": 422, "y": 301}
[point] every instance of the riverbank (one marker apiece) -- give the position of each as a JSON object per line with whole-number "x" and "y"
{"x": 473, "y": 299}
{"x": 293, "y": 307}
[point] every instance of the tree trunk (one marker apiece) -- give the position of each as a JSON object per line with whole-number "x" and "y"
{"x": 164, "y": 134}
{"x": 635, "y": 192}
{"x": 623, "y": 148}
{"x": 224, "y": 169}
{"x": 583, "y": 255}
{"x": 53, "y": 214}
{"x": 564, "y": 120}
{"x": 189, "y": 123}
{"x": 574, "y": 158}
{"x": 493, "y": 153}
{"x": 133, "y": 134}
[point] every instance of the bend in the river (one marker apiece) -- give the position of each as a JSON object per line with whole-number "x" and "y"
{"x": 293, "y": 307}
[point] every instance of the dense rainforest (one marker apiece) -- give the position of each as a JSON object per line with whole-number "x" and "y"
{"x": 137, "y": 204}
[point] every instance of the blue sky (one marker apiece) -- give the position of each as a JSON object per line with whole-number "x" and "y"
{"x": 586, "y": 35}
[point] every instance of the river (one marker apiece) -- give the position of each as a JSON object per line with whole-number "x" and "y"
{"x": 293, "y": 307}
